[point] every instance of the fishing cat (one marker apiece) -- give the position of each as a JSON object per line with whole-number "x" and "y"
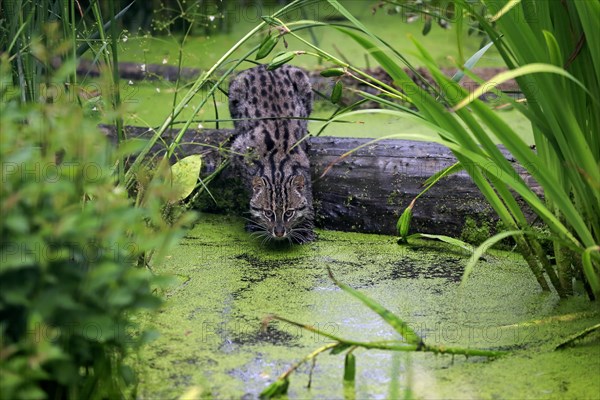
{"x": 268, "y": 151}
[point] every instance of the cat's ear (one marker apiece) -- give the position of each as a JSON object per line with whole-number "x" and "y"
{"x": 258, "y": 183}
{"x": 298, "y": 182}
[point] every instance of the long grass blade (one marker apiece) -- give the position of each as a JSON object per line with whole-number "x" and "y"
{"x": 512, "y": 74}
{"x": 483, "y": 248}
{"x": 470, "y": 63}
{"x": 399, "y": 326}
{"x": 446, "y": 239}
{"x": 101, "y": 28}
{"x": 592, "y": 272}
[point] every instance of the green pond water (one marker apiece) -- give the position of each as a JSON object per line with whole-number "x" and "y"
{"x": 211, "y": 343}
{"x": 149, "y": 104}
{"x": 202, "y": 50}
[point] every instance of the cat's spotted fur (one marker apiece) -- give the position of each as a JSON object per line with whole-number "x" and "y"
{"x": 275, "y": 169}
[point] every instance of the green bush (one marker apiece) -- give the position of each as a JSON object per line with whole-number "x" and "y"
{"x": 70, "y": 242}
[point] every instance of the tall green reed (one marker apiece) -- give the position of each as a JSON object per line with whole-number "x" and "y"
{"x": 564, "y": 109}
{"x": 559, "y": 76}
{"x": 47, "y": 35}
{"x": 552, "y": 51}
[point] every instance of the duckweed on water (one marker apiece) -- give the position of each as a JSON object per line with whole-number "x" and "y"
{"x": 211, "y": 338}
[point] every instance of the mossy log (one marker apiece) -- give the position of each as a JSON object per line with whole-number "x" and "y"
{"x": 364, "y": 192}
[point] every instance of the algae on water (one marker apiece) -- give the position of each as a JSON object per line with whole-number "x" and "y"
{"x": 211, "y": 340}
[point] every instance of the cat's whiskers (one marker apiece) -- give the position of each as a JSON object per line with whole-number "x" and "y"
{"x": 255, "y": 224}
{"x": 268, "y": 237}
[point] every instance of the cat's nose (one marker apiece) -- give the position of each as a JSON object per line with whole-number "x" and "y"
{"x": 279, "y": 231}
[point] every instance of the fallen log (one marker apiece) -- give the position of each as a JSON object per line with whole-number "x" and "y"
{"x": 365, "y": 192}
{"x": 137, "y": 71}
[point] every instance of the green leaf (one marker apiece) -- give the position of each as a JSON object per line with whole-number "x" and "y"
{"x": 405, "y": 219}
{"x": 17, "y": 223}
{"x": 331, "y": 72}
{"x": 382, "y": 101}
{"x": 149, "y": 335}
{"x": 128, "y": 374}
{"x": 18, "y": 295}
{"x": 267, "y": 45}
{"x": 403, "y": 223}
{"x": 185, "y": 174}
{"x": 483, "y": 248}
{"x": 349, "y": 368}
{"x": 449, "y": 170}
{"x": 147, "y": 301}
{"x": 340, "y": 348}
{"x": 336, "y": 93}
{"x": 443, "y": 238}
{"x": 502, "y": 77}
{"x": 553, "y": 48}
{"x": 592, "y": 274}
{"x": 277, "y": 388}
{"x": 120, "y": 297}
{"x": 399, "y": 326}
{"x": 507, "y": 7}
{"x": 102, "y": 275}
{"x": 470, "y": 63}
{"x": 31, "y": 392}
{"x": 426, "y": 26}
{"x": 65, "y": 371}
{"x": 130, "y": 146}
{"x": 281, "y": 59}
{"x": 270, "y": 20}
{"x": 100, "y": 327}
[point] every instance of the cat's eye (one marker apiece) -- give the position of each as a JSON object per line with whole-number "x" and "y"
{"x": 288, "y": 214}
{"x": 268, "y": 213}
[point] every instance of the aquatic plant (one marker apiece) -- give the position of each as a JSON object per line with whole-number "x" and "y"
{"x": 410, "y": 342}
{"x": 557, "y": 56}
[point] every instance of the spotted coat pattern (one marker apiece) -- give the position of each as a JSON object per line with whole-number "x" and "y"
{"x": 268, "y": 150}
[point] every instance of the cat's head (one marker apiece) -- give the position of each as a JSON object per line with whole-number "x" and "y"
{"x": 280, "y": 211}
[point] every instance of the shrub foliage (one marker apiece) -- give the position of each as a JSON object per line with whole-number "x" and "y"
{"x": 71, "y": 243}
